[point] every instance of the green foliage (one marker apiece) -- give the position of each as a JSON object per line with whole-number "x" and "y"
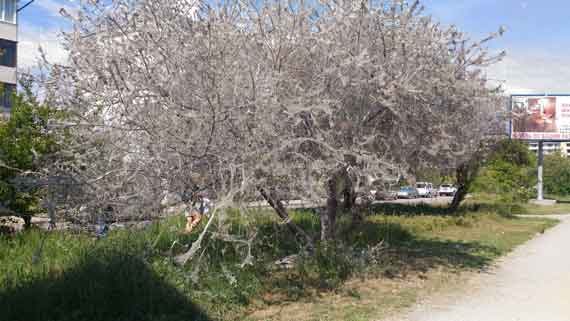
{"x": 509, "y": 173}
{"x": 130, "y": 275}
{"x": 24, "y": 140}
{"x": 514, "y": 152}
{"x": 435, "y": 176}
{"x": 74, "y": 277}
{"x": 557, "y": 174}
{"x": 330, "y": 265}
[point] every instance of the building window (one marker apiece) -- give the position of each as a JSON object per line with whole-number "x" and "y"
{"x": 8, "y": 11}
{"x": 6, "y": 99}
{"x": 8, "y": 53}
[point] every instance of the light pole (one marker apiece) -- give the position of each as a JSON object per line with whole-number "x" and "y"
{"x": 539, "y": 185}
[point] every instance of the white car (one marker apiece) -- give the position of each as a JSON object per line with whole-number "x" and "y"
{"x": 425, "y": 189}
{"x": 407, "y": 192}
{"x": 447, "y": 190}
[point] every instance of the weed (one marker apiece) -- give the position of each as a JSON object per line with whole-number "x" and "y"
{"x": 129, "y": 275}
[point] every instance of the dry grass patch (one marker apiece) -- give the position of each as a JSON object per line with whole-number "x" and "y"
{"x": 443, "y": 253}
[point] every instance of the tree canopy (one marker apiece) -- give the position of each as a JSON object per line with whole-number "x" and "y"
{"x": 309, "y": 99}
{"x": 25, "y": 142}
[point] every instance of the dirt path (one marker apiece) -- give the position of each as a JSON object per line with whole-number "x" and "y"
{"x": 530, "y": 284}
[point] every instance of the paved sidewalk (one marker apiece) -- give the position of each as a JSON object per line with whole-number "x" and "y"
{"x": 530, "y": 284}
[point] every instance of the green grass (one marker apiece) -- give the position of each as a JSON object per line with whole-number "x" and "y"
{"x": 130, "y": 275}
{"x": 560, "y": 198}
{"x": 531, "y": 209}
{"x": 491, "y": 201}
{"x": 74, "y": 277}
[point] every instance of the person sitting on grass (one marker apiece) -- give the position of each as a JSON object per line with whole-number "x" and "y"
{"x": 200, "y": 206}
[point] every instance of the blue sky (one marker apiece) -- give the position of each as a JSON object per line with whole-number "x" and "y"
{"x": 536, "y": 39}
{"x": 40, "y": 24}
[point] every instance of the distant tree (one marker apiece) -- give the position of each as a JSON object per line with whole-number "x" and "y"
{"x": 557, "y": 174}
{"x": 25, "y": 142}
{"x": 513, "y": 151}
{"x": 509, "y": 172}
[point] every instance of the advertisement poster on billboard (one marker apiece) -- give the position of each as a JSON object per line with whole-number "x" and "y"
{"x": 540, "y": 117}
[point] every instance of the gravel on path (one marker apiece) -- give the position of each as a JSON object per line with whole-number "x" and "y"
{"x": 530, "y": 284}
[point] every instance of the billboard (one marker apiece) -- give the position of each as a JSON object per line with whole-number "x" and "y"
{"x": 536, "y": 117}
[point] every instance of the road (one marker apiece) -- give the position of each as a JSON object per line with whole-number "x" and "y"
{"x": 43, "y": 221}
{"x": 530, "y": 284}
{"x": 443, "y": 200}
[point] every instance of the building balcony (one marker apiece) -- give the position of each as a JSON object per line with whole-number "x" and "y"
{"x": 8, "y": 75}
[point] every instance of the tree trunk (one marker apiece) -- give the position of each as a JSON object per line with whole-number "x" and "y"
{"x": 27, "y": 221}
{"x": 349, "y": 204}
{"x": 348, "y": 194}
{"x": 458, "y": 197}
{"x": 340, "y": 184}
{"x": 51, "y": 216}
{"x": 465, "y": 175}
{"x": 467, "y": 172}
{"x": 328, "y": 218}
{"x": 277, "y": 205}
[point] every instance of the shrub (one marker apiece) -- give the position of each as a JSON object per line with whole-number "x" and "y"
{"x": 24, "y": 141}
{"x": 557, "y": 174}
{"x": 509, "y": 173}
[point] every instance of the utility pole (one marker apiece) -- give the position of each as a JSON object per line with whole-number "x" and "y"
{"x": 539, "y": 185}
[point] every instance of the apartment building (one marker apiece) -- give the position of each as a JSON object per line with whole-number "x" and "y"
{"x": 551, "y": 147}
{"x": 8, "y": 52}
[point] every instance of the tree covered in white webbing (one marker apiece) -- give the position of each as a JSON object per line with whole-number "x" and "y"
{"x": 283, "y": 99}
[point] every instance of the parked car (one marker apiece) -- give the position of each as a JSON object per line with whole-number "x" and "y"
{"x": 425, "y": 189}
{"x": 408, "y": 192}
{"x": 447, "y": 190}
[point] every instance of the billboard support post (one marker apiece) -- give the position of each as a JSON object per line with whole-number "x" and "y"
{"x": 539, "y": 185}
{"x": 540, "y": 118}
